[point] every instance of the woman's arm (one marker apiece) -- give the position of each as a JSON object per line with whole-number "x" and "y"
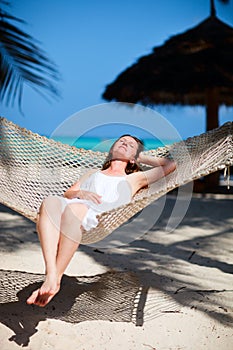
{"x": 75, "y": 192}
{"x": 161, "y": 167}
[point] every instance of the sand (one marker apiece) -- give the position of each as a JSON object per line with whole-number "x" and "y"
{"x": 188, "y": 275}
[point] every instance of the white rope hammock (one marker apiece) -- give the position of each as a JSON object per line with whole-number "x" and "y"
{"x": 33, "y": 167}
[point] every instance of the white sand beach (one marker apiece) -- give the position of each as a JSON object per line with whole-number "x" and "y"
{"x": 186, "y": 275}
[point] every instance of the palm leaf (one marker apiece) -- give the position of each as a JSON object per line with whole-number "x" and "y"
{"x": 22, "y": 62}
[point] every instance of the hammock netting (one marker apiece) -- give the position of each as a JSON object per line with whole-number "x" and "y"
{"x": 33, "y": 167}
{"x": 114, "y": 295}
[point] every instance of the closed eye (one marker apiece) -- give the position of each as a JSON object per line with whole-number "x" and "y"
{"x": 127, "y": 143}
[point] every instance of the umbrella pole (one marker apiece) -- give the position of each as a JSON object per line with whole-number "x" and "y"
{"x": 212, "y": 106}
{"x": 212, "y": 122}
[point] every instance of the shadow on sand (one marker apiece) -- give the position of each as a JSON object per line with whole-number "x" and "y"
{"x": 112, "y": 296}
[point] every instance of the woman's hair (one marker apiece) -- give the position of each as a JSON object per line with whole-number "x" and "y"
{"x": 130, "y": 167}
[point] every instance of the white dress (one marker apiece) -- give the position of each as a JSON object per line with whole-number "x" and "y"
{"x": 114, "y": 191}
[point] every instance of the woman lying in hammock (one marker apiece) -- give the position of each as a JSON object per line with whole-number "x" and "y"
{"x": 61, "y": 220}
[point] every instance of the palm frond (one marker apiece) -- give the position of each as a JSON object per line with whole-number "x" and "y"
{"x": 22, "y": 62}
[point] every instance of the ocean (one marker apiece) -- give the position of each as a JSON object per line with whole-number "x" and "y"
{"x": 103, "y": 145}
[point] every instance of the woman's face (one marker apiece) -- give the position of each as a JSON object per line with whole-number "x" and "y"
{"x": 125, "y": 148}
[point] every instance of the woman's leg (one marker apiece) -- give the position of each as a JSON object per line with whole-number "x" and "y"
{"x": 58, "y": 248}
{"x": 51, "y": 285}
{"x": 48, "y": 228}
{"x": 71, "y": 235}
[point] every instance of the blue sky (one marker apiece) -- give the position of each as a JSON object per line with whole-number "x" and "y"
{"x": 92, "y": 41}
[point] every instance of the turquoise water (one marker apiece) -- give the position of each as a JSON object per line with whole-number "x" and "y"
{"x": 103, "y": 145}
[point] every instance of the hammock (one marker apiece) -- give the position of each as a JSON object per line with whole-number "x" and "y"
{"x": 33, "y": 167}
{"x": 113, "y": 295}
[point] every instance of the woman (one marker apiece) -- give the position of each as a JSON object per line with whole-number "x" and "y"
{"x": 60, "y": 220}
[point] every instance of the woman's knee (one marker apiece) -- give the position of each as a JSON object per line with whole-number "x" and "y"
{"x": 51, "y": 203}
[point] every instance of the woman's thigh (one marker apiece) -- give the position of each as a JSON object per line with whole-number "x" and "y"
{"x": 74, "y": 212}
{"x": 71, "y": 221}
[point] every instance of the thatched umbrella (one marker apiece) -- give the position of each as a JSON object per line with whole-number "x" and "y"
{"x": 192, "y": 68}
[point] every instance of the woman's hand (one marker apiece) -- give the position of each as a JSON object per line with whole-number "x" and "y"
{"x": 75, "y": 192}
{"x": 144, "y": 159}
{"x": 153, "y": 160}
{"x": 140, "y": 158}
{"x": 90, "y": 196}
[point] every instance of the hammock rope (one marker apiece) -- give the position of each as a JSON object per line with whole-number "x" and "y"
{"x": 33, "y": 167}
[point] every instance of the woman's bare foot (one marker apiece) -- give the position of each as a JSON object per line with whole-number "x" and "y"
{"x": 46, "y": 292}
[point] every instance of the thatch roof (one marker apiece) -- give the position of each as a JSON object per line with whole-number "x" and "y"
{"x": 182, "y": 70}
